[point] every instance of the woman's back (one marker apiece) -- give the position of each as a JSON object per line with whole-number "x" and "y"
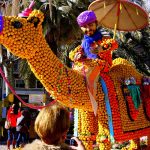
{"x": 39, "y": 145}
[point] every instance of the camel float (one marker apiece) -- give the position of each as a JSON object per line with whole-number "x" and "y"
{"x": 114, "y": 121}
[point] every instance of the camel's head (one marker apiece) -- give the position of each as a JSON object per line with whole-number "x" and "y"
{"x": 21, "y": 36}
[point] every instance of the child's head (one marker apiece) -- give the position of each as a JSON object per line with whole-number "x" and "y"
{"x": 52, "y": 124}
{"x": 88, "y": 22}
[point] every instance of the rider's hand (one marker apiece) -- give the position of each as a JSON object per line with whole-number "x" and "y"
{"x": 100, "y": 49}
{"x": 79, "y": 146}
{"x": 96, "y": 50}
{"x": 77, "y": 56}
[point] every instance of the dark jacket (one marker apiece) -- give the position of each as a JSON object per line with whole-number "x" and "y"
{"x": 23, "y": 123}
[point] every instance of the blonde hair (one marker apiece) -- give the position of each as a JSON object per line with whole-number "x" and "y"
{"x": 51, "y": 123}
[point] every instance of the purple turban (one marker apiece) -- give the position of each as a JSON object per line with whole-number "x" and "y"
{"x": 86, "y": 17}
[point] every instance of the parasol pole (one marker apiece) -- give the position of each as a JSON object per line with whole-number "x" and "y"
{"x": 50, "y": 9}
{"x": 115, "y": 28}
{"x": 118, "y": 13}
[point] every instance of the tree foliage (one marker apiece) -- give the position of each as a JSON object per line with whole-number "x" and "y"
{"x": 62, "y": 32}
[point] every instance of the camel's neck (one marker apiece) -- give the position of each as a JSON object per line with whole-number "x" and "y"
{"x": 63, "y": 83}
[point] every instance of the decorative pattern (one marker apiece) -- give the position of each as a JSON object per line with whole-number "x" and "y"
{"x": 124, "y": 127}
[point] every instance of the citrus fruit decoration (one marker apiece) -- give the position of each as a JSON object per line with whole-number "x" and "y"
{"x": 23, "y": 37}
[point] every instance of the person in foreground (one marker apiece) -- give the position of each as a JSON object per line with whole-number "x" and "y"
{"x": 51, "y": 125}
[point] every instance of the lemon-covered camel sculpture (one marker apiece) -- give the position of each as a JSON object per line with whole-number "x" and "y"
{"x": 23, "y": 37}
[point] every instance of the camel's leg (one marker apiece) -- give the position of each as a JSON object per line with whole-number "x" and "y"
{"x": 103, "y": 137}
{"x": 87, "y": 128}
{"x": 135, "y": 144}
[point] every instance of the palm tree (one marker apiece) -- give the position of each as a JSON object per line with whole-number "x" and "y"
{"x": 60, "y": 27}
{"x": 135, "y": 47}
{"x": 26, "y": 74}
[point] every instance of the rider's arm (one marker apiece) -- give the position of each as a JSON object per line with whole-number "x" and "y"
{"x": 87, "y": 50}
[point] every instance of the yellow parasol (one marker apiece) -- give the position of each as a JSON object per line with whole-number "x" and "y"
{"x": 121, "y": 15}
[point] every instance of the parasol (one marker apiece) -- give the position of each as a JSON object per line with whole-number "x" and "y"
{"x": 121, "y": 15}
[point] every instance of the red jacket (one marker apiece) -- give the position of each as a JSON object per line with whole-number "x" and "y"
{"x": 13, "y": 117}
